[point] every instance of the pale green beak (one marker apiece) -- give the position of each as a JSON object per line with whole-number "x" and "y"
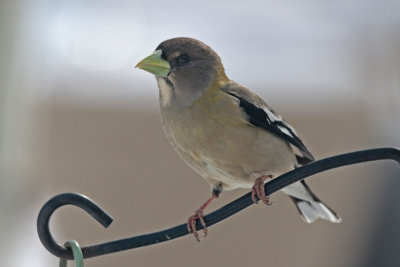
{"x": 155, "y": 64}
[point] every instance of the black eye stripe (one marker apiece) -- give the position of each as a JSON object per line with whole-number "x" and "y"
{"x": 163, "y": 56}
{"x": 182, "y": 59}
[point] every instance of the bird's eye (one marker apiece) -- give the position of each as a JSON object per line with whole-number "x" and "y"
{"x": 182, "y": 59}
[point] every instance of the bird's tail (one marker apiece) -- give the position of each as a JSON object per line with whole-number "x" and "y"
{"x": 308, "y": 204}
{"x": 312, "y": 210}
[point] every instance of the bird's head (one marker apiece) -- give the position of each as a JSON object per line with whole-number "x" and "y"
{"x": 184, "y": 69}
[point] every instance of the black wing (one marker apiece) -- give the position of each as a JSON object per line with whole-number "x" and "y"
{"x": 266, "y": 119}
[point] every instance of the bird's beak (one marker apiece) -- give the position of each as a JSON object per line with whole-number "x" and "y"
{"x": 155, "y": 64}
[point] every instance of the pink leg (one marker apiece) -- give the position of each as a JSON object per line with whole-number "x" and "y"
{"x": 191, "y": 224}
{"x": 258, "y": 190}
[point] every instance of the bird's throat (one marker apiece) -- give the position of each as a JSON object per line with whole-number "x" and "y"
{"x": 166, "y": 91}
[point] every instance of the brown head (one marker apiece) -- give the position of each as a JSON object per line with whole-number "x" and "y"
{"x": 184, "y": 69}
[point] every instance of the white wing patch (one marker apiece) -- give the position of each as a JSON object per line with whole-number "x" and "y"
{"x": 271, "y": 115}
{"x": 286, "y": 128}
{"x": 285, "y": 131}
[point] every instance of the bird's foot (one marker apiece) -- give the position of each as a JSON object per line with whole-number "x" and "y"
{"x": 191, "y": 224}
{"x": 258, "y": 190}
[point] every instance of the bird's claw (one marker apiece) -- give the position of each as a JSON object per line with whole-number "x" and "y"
{"x": 258, "y": 190}
{"x": 191, "y": 224}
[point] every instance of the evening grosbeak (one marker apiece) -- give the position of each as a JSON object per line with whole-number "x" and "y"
{"x": 224, "y": 131}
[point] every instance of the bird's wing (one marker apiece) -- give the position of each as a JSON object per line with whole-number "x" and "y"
{"x": 261, "y": 115}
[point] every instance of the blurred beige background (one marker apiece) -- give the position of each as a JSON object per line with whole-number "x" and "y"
{"x": 76, "y": 117}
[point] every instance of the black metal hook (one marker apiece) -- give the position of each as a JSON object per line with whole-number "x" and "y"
{"x": 54, "y": 203}
{"x": 228, "y": 210}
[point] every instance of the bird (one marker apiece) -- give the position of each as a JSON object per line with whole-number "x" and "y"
{"x": 224, "y": 131}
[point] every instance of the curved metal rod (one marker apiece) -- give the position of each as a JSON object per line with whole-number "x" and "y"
{"x": 54, "y": 203}
{"x": 211, "y": 219}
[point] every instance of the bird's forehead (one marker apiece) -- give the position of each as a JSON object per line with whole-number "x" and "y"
{"x": 176, "y": 46}
{"x": 175, "y": 49}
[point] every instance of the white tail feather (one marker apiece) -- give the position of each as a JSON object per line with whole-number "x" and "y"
{"x": 312, "y": 210}
{"x": 308, "y": 204}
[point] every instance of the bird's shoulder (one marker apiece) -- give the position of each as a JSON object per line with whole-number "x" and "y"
{"x": 235, "y": 89}
{"x": 253, "y": 105}
{"x": 261, "y": 115}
